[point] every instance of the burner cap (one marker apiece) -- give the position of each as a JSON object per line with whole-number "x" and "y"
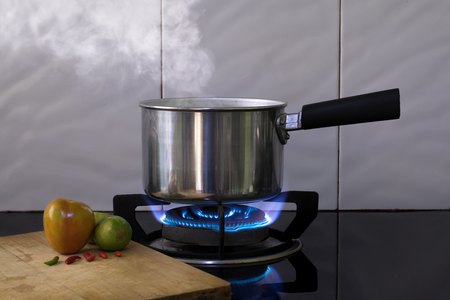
{"x": 200, "y": 225}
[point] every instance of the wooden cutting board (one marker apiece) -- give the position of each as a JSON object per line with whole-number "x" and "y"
{"x": 141, "y": 273}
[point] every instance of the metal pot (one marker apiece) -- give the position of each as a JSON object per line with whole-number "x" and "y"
{"x": 230, "y": 150}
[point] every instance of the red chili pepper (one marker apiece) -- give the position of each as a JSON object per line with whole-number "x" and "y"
{"x": 118, "y": 254}
{"x": 86, "y": 254}
{"x": 71, "y": 259}
{"x": 91, "y": 258}
{"x": 102, "y": 254}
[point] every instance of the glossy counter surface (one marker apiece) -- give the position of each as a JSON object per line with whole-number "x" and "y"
{"x": 356, "y": 255}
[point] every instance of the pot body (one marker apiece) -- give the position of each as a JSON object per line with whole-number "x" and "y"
{"x": 226, "y": 150}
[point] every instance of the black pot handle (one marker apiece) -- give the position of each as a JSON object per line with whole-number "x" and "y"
{"x": 377, "y": 106}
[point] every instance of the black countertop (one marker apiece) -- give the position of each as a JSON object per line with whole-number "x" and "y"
{"x": 354, "y": 255}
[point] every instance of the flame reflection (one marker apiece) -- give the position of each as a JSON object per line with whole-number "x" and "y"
{"x": 248, "y": 281}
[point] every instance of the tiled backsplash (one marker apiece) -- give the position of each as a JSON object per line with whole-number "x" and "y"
{"x": 72, "y": 80}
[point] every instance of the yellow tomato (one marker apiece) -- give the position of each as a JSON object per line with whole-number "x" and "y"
{"x": 68, "y": 225}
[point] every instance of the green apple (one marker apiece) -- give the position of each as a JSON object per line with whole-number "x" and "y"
{"x": 98, "y": 216}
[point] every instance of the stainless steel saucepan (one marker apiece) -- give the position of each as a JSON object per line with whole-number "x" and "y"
{"x": 230, "y": 150}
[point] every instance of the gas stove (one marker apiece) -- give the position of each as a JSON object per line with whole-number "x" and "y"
{"x": 232, "y": 241}
{"x": 221, "y": 235}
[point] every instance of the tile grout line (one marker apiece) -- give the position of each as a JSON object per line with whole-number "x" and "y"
{"x": 161, "y": 49}
{"x": 339, "y": 96}
{"x": 338, "y": 151}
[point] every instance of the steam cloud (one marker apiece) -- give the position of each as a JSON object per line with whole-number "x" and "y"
{"x": 103, "y": 35}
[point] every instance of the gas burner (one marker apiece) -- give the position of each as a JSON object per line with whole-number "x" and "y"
{"x": 221, "y": 235}
{"x": 199, "y": 225}
{"x": 237, "y": 217}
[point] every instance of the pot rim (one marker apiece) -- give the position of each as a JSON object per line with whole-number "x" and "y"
{"x": 211, "y": 104}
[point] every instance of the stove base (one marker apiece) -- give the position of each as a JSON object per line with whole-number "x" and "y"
{"x": 259, "y": 253}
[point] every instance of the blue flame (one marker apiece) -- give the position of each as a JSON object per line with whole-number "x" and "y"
{"x": 214, "y": 216}
{"x": 236, "y": 218}
{"x": 247, "y": 281}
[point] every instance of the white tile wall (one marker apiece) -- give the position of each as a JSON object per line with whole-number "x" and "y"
{"x": 70, "y": 87}
{"x": 401, "y": 164}
{"x": 72, "y": 78}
